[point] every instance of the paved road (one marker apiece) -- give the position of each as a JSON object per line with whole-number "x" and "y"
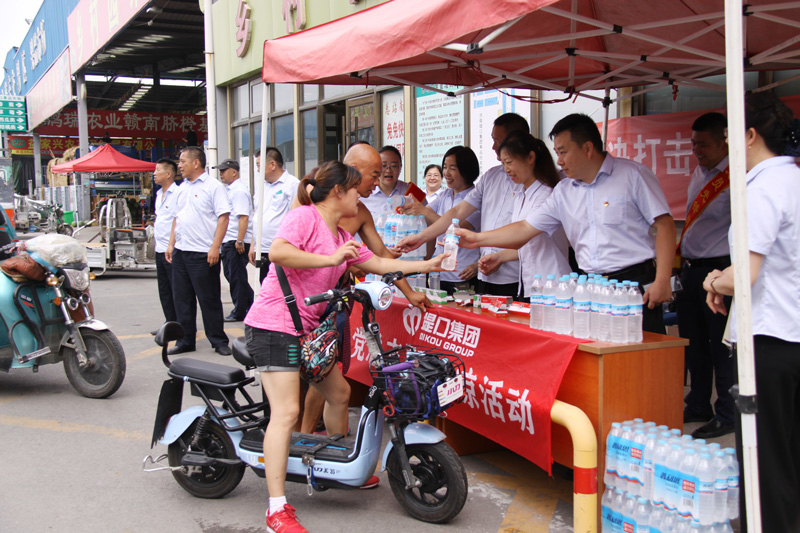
{"x": 74, "y": 464}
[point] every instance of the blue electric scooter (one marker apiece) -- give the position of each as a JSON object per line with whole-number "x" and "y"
{"x": 211, "y": 445}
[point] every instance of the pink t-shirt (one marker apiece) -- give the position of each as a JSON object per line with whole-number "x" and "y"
{"x": 304, "y": 229}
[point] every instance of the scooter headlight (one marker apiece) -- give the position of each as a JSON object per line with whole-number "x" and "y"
{"x": 384, "y": 299}
{"x": 77, "y": 279}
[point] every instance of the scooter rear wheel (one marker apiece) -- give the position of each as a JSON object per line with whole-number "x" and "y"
{"x": 106, "y": 369}
{"x": 443, "y": 489}
{"x": 214, "y": 481}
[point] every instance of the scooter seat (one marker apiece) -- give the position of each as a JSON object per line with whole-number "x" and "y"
{"x": 205, "y": 371}
{"x": 239, "y": 347}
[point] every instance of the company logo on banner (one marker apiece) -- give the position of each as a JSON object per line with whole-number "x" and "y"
{"x": 509, "y": 388}
{"x": 125, "y": 124}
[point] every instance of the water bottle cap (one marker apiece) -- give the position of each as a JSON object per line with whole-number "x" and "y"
{"x": 537, "y": 276}
{"x": 606, "y": 283}
{"x": 573, "y": 274}
{"x": 626, "y": 283}
{"x": 642, "y": 500}
{"x": 581, "y": 281}
{"x": 676, "y": 446}
{"x": 638, "y": 431}
{"x": 730, "y": 451}
{"x": 618, "y": 490}
{"x": 715, "y": 446}
{"x": 661, "y": 442}
{"x": 615, "y": 424}
{"x": 691, "y": 451}
{"x": 614, "y": 281}
{"x": 454, "y": 221}
{"x": 551, "y": 276}
{"x": 582, "y": 277}
{"x": 705, "y": 456}
{"x": 565, "y": 277}
{"x": 719, "y": 453}
{"x": 700, "y": 441}
{"x": 634, "y": 283}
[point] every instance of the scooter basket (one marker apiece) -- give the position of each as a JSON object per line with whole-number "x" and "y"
{"x": 409, "y": 379}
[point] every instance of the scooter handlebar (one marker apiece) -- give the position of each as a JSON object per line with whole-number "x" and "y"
{"x": 319, "y": 298}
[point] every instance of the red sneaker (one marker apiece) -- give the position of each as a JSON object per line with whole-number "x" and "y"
{"x": 284, "y": 521}
{"x": 371, "y": 483}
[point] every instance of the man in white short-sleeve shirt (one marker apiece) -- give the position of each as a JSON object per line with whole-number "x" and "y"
{"x": 166, "y": 207}
{"x": 493, "y": 197}
{"x": 280, "y": 189}
{"x": 610, "y": 209}
{"x": 194, "y": 248}
{"x": 236, "y": 243}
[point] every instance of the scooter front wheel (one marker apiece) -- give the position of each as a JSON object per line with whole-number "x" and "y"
{"x": 65, "y": 229}
{"x": 105, "y": 371}
{"x": 212, "y": 481}
{"x": 443, "y": 482}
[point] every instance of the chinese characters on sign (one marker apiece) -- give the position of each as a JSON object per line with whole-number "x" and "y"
{"x": 440, "y": 125}
{"x": 244, "y": 28}
{"x": 485, "y": 107}
{"x": 125, "y": 124}
{"x": 393, "y": 118}
{"x": 294, "y": 13}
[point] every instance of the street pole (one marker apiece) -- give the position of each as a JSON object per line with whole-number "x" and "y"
{"x": 211, "y": 90}
{"x": 83, "y": 119}
{"x": 37, "y": 162}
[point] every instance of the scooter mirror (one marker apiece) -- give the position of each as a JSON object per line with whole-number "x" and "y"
{"x": 170, "y": 331}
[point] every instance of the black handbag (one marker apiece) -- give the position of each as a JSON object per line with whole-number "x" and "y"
{"x": 319, "y": 349}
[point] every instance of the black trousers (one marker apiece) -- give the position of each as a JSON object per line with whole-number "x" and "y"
{"x": 164, "y": 277}
{"x": 497, "y": 289}
{"x": 778, "y": 433}
{"x": 708, "y": 361}
{"x": 195, "y": 281}
{"x": 234, "y": 267}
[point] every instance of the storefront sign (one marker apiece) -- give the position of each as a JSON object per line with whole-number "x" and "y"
{"x": 12, "y": 113}
{"x": 93, "y": 23}
{"x": 125, "y": 124}
{"x": 52, "y": 93}
{"x": 56, "y": 146}
{"x": 294, "y": 13}
{"x": 485, "y": 107}
{"x": 393, "y": 131}
{"x": 440, "y": 125}
{"x": 243, "y": 28}
{"x": 509, "y": 386}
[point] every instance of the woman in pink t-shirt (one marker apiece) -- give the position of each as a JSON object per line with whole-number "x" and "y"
{"x": 314, "y": 253}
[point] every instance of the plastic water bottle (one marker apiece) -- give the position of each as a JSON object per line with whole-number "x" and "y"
{"x": 722, "y": 527}
{"x": 635, "y": 313}
{"x": 397, "y": 201}
{"x": 659, "y": 460}
{"x": 434, "y": 281}
{"x": 380, "y": 225}
{"x": 563, "y": 307}
{"x": 682, "y": 525}
{"x": 610, "y": 475}
{"x": 590, "y": 292}
{"x": 573, "y": 281}
{"x": 607, "y": 504}
{"x": 720, "y": 468}
{"x": 672, "y": 500}
{"x": 705, "y": 492}
{"x": 623, "y": 456}
{"x": 618, "y": 508}
{"x": 549, "y": 303}
{"x": 421, "y": 226}
{"x": 641, "y": 515}
{"x": 669, "y": 521}
{"x": 451, "y": 246}
{"x": 628, "y": 512}
{"x": 536, "y": 302}
{"x": 604, "y": 313}
{"x": 657, "y": 519}
{"x": 733, "y": 483}
{"x": 581, "y": 310}
{"x": 688, "y": 470}
{"x": 619, "y": 315}
{"x": 647, "y": 463}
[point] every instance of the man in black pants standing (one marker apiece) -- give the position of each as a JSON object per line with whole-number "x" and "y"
{"x": 167, "y": 203}
{"x": 194, "y": 247}
{"x": 704, "y": 247}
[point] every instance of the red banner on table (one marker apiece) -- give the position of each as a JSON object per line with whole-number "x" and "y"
{"x": 512, "y": 371}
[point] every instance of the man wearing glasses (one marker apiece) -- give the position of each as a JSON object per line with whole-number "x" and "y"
{"x": 389, "y": 184}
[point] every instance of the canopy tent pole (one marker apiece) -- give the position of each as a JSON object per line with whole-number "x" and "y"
{"x": 606, "y": 106}
{"x": 741, "y": 257}
{"x": 261, "y": 172}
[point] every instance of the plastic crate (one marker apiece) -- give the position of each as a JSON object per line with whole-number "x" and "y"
{"x": 409, "y": 379}
{"x": 69, "y": 217}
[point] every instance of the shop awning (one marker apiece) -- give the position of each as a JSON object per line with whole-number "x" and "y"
{"x": 104, "y": 159}
{"x": 564, "y": 45}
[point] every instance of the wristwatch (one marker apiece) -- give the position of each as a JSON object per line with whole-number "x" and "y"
{"x": 239, "y": 242}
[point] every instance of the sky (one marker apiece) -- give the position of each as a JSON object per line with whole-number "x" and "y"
{"x": 14, "y": 13}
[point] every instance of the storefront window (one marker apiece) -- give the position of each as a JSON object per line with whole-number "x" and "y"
{"x": 310, "y": 93}
{"x": 241, "y": 142}
{"x": 284, "y": 96}
{"x": 241, "y": 101}
{"x": 284, "y": 140}
{"x": 257, "y": 98}
{"x": 332, "y": 91}
{"x": 311, "y": 157}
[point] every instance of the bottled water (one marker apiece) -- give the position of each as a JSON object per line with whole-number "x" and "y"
{"x": 660, "y": 460}
{"x": 536, "y": 302}
{"x": 669, "y": 522}
{"x": 636, "y": 468}
{"x": 657, "y": 519}
{"x": 421, "y": 226}
{"x": 607, "y": 504}
{"x": 549, "y": 303}
{"x": 619, "y": 315}
{"x": 720, "y": 469}
{"x": 612, "y": 442}
{"x": 623, "y": 456}
{"x": 618, "y": 509}
{"x": 573, "y": 281}
{"x": 591, "y": 289}
{"x": 733, "y": 483}
{"x": 397, "y": 201}
{"x": 604, "y": 313}
{"x": 722, "y": 527}
{"x": 434, "y": 280}
{"x": 695, "y": 527}
{"x": 563, "y": 307}
{"x": 682, "y": 525}
{"x": 635, "y": 310}
{"x": 705, "y": 491}
{"x": 628, "y": 512}
{"x": 671, "y": 492}
{"x": 641, "y": 515}
{"x": 391, "y": 229}
{"x": 403, "y": 230}
{"x": 581, "y": 309}
{"x": 647, "y": 463}
{"x": 451, "y": 246}
{"x": 688, "y": 483}
{"x": 380, "y": 225}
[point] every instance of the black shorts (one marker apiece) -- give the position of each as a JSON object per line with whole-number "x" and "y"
{"x": 273, "y": 351}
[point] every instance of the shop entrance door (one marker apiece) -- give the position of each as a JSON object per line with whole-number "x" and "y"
{"x": 332, "y": 131}
{"x": 361, "y": 123}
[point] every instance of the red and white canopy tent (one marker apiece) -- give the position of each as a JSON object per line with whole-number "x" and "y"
{"x": 570, "y": 46}
{"x": 104, "y": 159}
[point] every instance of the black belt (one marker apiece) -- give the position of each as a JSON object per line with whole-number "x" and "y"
{"x": 723, "y": 261}
{"x": 633, "y": 271}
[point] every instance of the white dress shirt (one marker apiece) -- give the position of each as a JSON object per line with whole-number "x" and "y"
{"x": 241, "y": 206}
{"x": 607, "y": 221}
{"x": 493, "y": 195}
{"x": 202, "y": 202}
{"x": 167, "y": 205}
{"x": 376, "y": 202}
{"x": 708, "y": 235}
{"x": 278, "y": 197}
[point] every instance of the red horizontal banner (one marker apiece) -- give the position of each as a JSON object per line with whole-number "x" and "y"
{"x": 57, "y": 145}
{"x": 512, "y": 372}
{"x": 128, "y": 124}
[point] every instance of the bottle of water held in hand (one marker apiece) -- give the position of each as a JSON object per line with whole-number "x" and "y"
{"x": 451, "y": 246}
{"x": 549, "y": 303}
{"x": 536, "y": 302}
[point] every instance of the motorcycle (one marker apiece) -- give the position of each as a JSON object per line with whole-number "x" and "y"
{"x": 44, "y": 216}
{"x": 211, "y": 445}
{"x": 51, "y": 320}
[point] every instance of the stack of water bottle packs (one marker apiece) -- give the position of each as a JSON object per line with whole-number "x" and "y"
{"x": 660, "y": 481}
{"x": 587, "y": 307}
{"x": 392, "y": 227}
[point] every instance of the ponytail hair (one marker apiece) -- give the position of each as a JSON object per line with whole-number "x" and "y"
{"x": 518, "y": 144}
{"x": 323, "y": 179}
